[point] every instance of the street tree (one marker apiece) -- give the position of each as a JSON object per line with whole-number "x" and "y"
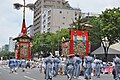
{"x": 106, "y": 28}
{"x": 48, "y": 42}
{"x": 41, "y": 42}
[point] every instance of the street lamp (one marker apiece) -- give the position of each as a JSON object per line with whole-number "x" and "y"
{"x": 18, "y": 6}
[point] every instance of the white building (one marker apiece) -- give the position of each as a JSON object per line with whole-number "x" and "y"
{"x": 11, "y": 44}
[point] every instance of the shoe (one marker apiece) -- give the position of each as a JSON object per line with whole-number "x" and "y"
{"x": 23, "y": 70}
{"x": 74, "y": 77}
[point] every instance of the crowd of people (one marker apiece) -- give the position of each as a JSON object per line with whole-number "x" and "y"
{"x": 13, "y": 64}
{"x": 73, "y": 66}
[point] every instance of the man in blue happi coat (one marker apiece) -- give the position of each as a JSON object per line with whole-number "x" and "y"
{"x": 98, "y": 63}
{"x": 88, "y": 66}
{"x": 116, "y": 62}
{"x": 56, "y": 62}
{"x": 65, "y": 65}
{"x": 48, "y": 61}
{"x": 11, "y": 64}
{"x": 23, "y": 64}
{"x": 15, "y": 64}
{"x": 77, "y": 62}
{"x": 70, "y": 67}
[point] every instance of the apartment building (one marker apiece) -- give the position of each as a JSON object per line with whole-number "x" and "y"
{"x": 11, "y": 44}
{"x": 52, "y": 15}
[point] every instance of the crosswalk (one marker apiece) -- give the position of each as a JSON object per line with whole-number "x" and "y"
{"x": 4, "y": 66}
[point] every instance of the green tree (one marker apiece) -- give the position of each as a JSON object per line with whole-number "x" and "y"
{"x": 80, "y": 24}
{"x": 106, "y": 28}
{"x": 6, "y": 54}
{"x": 41, "y": 42}
{"x": 59, "y": 34}
{"x": 48, "y": 42}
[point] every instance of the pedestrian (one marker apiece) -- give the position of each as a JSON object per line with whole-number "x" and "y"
{"x": 23, "y": 64}
{"x": 62, "y": 65}
{"x": 70, "y": 67}
{"x": 116, "y": 65}
{"x": 77, "y": 62}
{"x": 98, "y": 63}
{"x": 15, "y": 64}
{"x": 56, "y": 62}
{"x": 65, "y": 65}
{"x": 48, "y": 68}
{"x": 11, "y": 64}
{"x": 88, "y": 66}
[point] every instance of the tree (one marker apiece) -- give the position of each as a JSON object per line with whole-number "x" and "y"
{"x": 6, "y": 54}
{"x": 80, "y": 24}
{"x": 61, "y": 33}
{"x": 48, "y": 42}
{"x": 41, "y": 42}
{"x": 106, "y": 28}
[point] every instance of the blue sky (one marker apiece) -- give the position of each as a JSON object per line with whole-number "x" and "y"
{"x": 11, "y": 19}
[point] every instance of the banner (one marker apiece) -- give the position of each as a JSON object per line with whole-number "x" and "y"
{"x": 79, "y": 43}
{"x": 24, "y": 48}
{"x": 65, "y": 47}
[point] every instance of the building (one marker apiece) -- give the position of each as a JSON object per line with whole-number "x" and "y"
{"x": 11, "y": 44}
{"x": 113, "y": 50}
{"x": 89, "y": 14}
{"x": 30, "y": 30}
{"x": 100, "y": 53}
{"x": 5, "y": 47}
{"x": 52, "y": 15}
{"x": 0, "y": 49}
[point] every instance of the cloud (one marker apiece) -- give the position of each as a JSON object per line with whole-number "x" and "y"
{"x": 95, "y": 6}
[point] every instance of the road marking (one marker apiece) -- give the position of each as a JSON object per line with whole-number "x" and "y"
{"x": 8, "y": 70}
{"x": 28, "y": 72}
{"x": 29, "y": 78}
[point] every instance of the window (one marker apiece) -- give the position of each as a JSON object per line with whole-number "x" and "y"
{"x": 75, "y": 13}
{"x": 60, "y": 12}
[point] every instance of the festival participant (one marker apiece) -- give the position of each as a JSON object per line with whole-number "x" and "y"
{"x": 116, "y": 62}
{"x": 88, "y": 66}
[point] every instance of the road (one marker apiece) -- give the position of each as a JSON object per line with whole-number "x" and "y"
{"x": 34, "y": 74}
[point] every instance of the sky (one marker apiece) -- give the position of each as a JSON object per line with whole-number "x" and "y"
{"x": 11, "y": 19}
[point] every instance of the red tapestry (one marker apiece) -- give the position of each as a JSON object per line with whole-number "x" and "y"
{"x": 79, "y": 43}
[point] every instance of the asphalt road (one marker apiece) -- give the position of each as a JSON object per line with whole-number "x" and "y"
{"x": 34, "y": 74}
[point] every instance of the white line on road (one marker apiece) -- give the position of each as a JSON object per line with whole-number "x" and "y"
{"x": 29, "y": 78}
{"x": 8, "y": 70}
{"x": 28, "y": 72}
